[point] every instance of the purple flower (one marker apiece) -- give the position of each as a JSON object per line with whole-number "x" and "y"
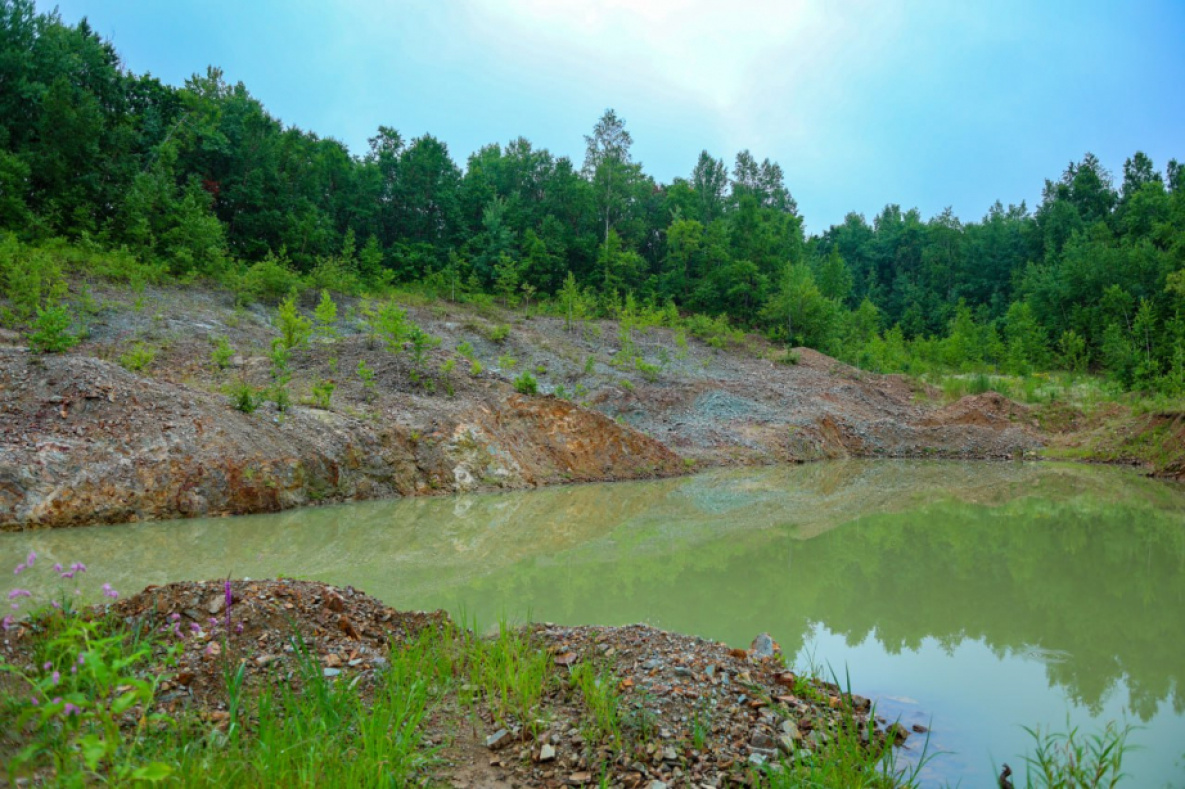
{"x": 47, "y": 666}
{"x": 70, "y": 709}
{"x": 213, "y": 622}
{"x": 174, "y": 616}
{"x": 20, "y": 568}
{"x": 68, "y": 574}
{"x": 74, "y": 669}
{"x": 195, "y": 627}
{"x": 78, "y": 567}
{"x": 82, "y": 659}
{"x": 57, "y": 567}
{"x": 55, "y": 604}
{"x": 9, "y": 623}
{"x": 33, "y": 700}
{"x": 109, "y": 592}
{"x": 32, "y": 558}
{"x": 15, "y": 593}
{"x": 239, "y": 627}
{"x": 56, "y": 678}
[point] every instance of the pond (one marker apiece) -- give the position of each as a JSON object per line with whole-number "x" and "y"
{"x": 973, "y": 598}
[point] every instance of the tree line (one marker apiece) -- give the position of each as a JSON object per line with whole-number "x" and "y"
{"x": 200, "y": 180}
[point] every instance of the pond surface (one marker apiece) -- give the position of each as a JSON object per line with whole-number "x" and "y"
{"x": 975, "y": 598}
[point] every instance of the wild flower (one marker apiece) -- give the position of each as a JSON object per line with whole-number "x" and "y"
{"x": 55, "y": 678}
{"x": 57, "y": 567}
{"x": 20, "y": 568}
{"x": 16, "y": 593}
{"x": 195, "y": 627}
{"x": 70, "y": 709}
{"x": 32, "y": 558}
{"x": 109, "y": 592}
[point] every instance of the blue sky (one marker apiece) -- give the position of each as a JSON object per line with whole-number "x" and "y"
{"x": 925, "y": 104}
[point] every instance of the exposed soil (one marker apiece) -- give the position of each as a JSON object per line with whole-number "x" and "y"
{"x": 83, "y": 440}
{"x": 694, "y": 712}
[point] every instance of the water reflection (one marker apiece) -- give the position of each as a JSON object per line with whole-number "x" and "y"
{"x": 1078, "y": 571}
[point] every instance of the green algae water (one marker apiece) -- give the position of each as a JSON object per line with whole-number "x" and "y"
{"x": 972, "y": 598}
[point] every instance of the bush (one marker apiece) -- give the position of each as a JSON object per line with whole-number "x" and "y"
{"x": 526, "y": 384}
{"x": 222, "y": 353}
{"x": 51, "y": 331}
{"x": 294, "y": 327}
{"x": 269, "y": 280}
{"x": 138, "y": 357}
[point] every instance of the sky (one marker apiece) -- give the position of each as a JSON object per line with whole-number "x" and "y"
{"x": 924, "y": 104}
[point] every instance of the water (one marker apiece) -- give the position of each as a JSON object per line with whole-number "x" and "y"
{"x": 972, "y": 597}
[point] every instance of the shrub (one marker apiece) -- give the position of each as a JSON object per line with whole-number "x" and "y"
{"x": 294, "y": 327}
{"x": 323, "y": 392}
{"x": 222, "y": 353}
{"x": 326, "y": 315}
{"x": 51, "y": 330}
{"x": 138, "y": 357}
{"x": 269, "y": 280}
{"x": 526, "y": 384}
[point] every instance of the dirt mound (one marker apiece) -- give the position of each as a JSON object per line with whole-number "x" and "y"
{"x": 268, "y": 626}
{"x": 989, "y": 409}
{"x": 84, "y": 441}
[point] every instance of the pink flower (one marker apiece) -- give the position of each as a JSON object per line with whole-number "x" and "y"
{"x": 109, "y": 592}
{"x": 9, "y": 623}
{"x": 47, "y": 666}
{"x": 55, "y": 604}
{"x": 68, "y": 574}
{"x": 239, "y": 627}
{"x": 56, "y": 678}
{"x": 57, "y": 567}
{"x": 32, "y": 558}
{"x": 33, "y": 700}
{"x": 20, "y": 568}
{"x": 78, "y": 567}
{"x": 195, "y": 627}
{"x": 15, "y": 593}
{"x": 70, "y": 709}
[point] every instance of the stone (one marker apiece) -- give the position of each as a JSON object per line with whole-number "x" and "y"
{"x": 331, "y": 672}
{"x": 764, "y": 646}
{"x": 547, "y": 753}
{"x": 216, "y": 603}
{"x": 791, "y": 730}
{"x": 669, "y": 754}
{"x": 760, "y": 739}
{"x": 499, "y": 739}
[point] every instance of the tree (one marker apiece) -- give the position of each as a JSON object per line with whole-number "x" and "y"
{"x": 608, "y": 166}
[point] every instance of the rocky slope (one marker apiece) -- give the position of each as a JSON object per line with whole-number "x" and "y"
{"x": 83, "y": 440}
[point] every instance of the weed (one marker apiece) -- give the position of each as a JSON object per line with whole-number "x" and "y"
{"x": 138, "y": 357}
{"x": 222, "y": 353}
{"x": 244, "y": 397}
{"x": 599, "y": 690}
{"x": 1071, "y": 758}
{"x": 323, "y": 392}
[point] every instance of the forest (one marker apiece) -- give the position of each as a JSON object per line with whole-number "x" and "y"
{"x": 111, "y": 174}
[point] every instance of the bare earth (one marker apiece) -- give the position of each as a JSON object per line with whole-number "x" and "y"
{"x": 85, "y": 441}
